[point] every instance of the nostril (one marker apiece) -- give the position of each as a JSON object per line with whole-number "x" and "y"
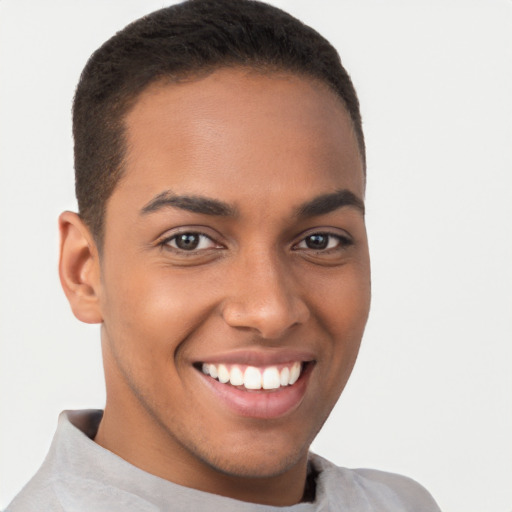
{"x": 269, "y": 320}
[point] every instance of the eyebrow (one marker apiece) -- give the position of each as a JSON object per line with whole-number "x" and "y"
{"x": 317, "y": 206}
{"x": 328, "y": 203}
{"x": 196, "y": 204}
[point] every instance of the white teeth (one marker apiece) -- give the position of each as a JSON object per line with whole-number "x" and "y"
{"x": 271, "y": 378}
{"x": 252, "y": 378}
{"x": 223, "y": 374}
{"x": 237, "y": 377}
{"x": 213, "y": 371}
{"x": 285, "y": 376}
{"x": 294, "y": 373}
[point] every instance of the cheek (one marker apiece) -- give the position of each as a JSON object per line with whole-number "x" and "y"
{"x": 342, "y": 310}
{"x": 151, "y": 313}
{"x": 341, "y": 299}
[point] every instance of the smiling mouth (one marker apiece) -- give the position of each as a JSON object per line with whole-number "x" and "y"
{"x": 245, "y": 377}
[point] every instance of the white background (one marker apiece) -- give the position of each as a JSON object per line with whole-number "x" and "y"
{"x": 431, "y": 395}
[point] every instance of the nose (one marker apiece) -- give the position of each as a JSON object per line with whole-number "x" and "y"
{"x": 263, "y": 297}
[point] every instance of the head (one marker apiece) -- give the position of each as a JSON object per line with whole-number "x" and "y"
{"x": 175, "y": 44}
{"x": 221, "y": 242}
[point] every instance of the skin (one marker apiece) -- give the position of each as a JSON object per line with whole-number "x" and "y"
{"x": 263, "y": 144}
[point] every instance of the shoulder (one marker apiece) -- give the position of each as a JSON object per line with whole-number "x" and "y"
{"x": 372, "y": 489}
{"x": 405, "y": 490}
{"x": 64, "y": 462}
{"x": 37, "y": 495}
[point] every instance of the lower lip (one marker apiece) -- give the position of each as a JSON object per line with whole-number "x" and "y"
{"x": 261, "y": 403}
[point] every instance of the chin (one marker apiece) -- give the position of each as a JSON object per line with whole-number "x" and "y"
{"x": 252, "y": 459}
{"x": 265, "y": 466}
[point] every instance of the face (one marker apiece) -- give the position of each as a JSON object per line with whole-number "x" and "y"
{"x": 235, "y": 280}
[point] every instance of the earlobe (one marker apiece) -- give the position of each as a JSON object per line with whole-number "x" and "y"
{"x": 79, "y": 268}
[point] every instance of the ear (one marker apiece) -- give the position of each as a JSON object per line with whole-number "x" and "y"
{"x": 79, "y": 268}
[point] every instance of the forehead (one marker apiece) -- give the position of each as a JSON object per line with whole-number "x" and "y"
{"x": 238, "y": 130}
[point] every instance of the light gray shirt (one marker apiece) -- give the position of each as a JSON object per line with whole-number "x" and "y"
{"x": 78, "y": 475}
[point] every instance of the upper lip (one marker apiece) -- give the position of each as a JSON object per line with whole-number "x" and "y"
{"x": 259, "y": 357}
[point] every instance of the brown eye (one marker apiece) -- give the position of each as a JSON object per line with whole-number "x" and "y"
{"x": 324, "y": 242}
{"x": 190, "y": 242}
{"x": 187, "y": 241}
{"x": 317, "y": 241}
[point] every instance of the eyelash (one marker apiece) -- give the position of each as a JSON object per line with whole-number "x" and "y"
{"x": 166, "y": 243}
{"x": 342, "y": 242}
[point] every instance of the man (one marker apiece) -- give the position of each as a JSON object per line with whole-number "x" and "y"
{"x": 221, "y": 245}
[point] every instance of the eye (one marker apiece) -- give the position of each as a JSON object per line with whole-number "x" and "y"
{"x": 324, "y": 242}
{"x": 189, "y": 241}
